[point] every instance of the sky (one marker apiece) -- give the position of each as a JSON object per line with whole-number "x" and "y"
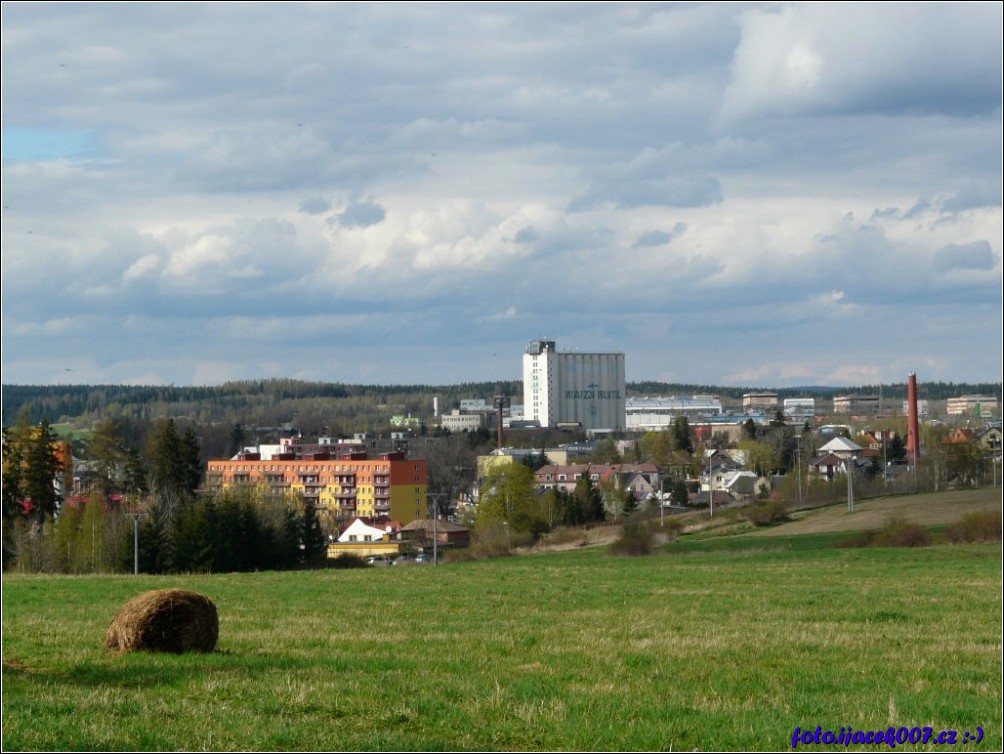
{"x": 736, "y": 194}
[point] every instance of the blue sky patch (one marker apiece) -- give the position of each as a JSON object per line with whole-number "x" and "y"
{"x": 38, "y": 144}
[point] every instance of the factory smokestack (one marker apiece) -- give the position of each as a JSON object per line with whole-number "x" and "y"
{"x": 913, "y": 424}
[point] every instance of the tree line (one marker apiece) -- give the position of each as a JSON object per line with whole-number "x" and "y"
{"x": 333, "y": 405}
{"x": 152, "y": 490}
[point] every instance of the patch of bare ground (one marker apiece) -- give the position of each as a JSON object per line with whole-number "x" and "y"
{"x": 574, "y": 537}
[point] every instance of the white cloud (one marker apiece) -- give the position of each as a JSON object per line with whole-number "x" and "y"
{"x": 816, "y": 57}
{"x": 678, "y": 180}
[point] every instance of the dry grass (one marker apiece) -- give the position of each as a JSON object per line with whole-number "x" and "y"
{"x": 933, "y": 509}
{"x": 574, "y": 537}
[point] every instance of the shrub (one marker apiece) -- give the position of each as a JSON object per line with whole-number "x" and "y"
{"x": 564, "y": 535}
{"x": 766, "y": 513}
{"x": 347, "y": 560}
{"x": 865, "y": 539}
{"x": 481, "y": 551}
{"x": 981, "y": 526}
{"x": 635, "y": 539}
{"x": 668, "y": 531}
{"x": 898, "y": 532}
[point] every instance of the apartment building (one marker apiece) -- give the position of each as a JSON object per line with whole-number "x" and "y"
{"x": 349, "y": 486}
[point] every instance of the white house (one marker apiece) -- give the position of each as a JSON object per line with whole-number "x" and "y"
{"x": 841, "y": 447}
{"x": 360, "y": 531}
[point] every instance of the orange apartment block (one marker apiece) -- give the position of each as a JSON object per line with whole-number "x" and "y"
{"x": 349, "y": 486}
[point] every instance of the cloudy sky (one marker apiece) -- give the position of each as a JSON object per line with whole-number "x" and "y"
{"x": 759, "y": 194}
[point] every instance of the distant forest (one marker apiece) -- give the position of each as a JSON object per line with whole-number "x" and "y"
{"x": 337, "y": 409}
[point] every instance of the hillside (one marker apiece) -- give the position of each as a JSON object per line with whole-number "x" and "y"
{"x": 930, "y": 509}
{"x": 278, "y": 401}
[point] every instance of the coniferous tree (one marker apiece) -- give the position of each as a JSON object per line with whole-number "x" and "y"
{"x": 104, "y": 451}
{"x": 14, "y": 447}
{"x": 156, "y": 542}
{"x": 190, "y": 462}
{"x": 134, "y": 476}
{"x": 682, "y": 435}
{"x": 163, "y": 457}
{"x": 314, "y": 548}
{"x": 43, "y": 468}
{"x": 679, "y": 493}
{"x": 587, "y": 505}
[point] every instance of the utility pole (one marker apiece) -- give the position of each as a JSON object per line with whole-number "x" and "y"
{"x": 849, "y": 463}
{"x": 798, "y": 467}
{"x": 135, "y": 516}
{"x": 435, "y": 525}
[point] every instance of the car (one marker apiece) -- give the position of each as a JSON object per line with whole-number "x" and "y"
{"x": 403, "y": 560}
{"x": 424, "y": 557}
{"x": 377, "y": 560}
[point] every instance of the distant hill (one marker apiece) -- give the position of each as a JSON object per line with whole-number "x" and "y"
{"x": 328, "y": 403}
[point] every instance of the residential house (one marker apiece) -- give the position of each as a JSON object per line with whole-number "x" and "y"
{"x": 745, "y": 485}
{"x": 641, "y": 478}
{"x": 367, "y": 536}
{"x": 841, "y": 447}
{"x": 717, "y": 466}
{"x": 827, "y": 466}
{"x": 445, "y": 533}
{"x": 721, "y": 498}
{"x": 990, "y": 439}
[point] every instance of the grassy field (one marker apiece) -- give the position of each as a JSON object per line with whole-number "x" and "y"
{"x": 565, "y": 651}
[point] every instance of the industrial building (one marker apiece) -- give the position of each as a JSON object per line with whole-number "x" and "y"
{"x": 572, "y": 387}
{"x": 977, "y": 405}
{"x": 648, "y": 414}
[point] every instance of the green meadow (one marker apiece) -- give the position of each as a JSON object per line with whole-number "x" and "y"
{"x": 697, "y": 647}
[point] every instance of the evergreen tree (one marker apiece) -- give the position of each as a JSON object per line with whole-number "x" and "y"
{"x": 43, "y": 468}
{"x": 679, "y": 494}
{"x": 14, "y": 447}
{"x": 105, "y": 454}
{"x": 236, "y": 439}
{"x": 156, "y": 542}
{"x": 587, "y": 505}
{"x": 630, "y": 504}
{"x": 164, "y": 460}
{"x": 681, "y": 435}
{"x": 896, "y": 449}
{"x": 314, "y": 548}
{"x": 190, "y": 462}
{"x": 134, "y": 474}
{"x": 175, "y": 465}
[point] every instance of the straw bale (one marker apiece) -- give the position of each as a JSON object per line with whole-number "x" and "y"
{"x": 165, "y": 620}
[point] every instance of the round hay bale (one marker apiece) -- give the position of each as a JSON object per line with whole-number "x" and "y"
{"x": 165, "y": 620}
